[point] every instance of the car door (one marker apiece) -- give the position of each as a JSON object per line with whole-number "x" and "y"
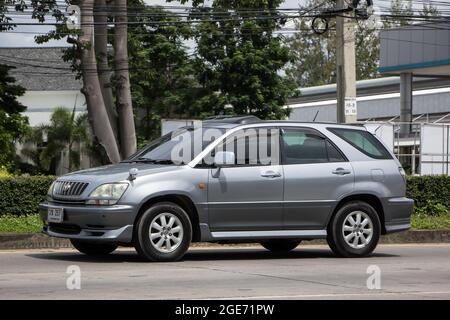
{"x": 249, "y": 194}
{"x": 316, "y": 173}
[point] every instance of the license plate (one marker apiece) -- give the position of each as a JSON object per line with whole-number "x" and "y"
{"x": 55, "y": 215}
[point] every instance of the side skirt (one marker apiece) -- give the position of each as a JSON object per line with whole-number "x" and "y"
{"x": 207, "y": 235}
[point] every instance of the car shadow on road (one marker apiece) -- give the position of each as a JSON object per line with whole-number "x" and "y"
{"x": 201, "y": 254}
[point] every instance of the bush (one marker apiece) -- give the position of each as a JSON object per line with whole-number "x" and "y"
{"x": 431, "y": 194}
{"x": 4, "y": 172}
{"x": 20, "y": 196}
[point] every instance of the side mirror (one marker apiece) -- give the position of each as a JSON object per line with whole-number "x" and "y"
{"x": 132, "y": 174}
{"x": 224, "y": 158}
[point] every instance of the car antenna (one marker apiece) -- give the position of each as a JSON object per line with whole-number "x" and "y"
{"x": 317, "y": 113}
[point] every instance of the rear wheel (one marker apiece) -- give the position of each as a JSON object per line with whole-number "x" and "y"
{"x": 355, "y": 230}
{"x": 93, "y": 248}
{"x": 163, "y": 233}
{"x": 280, "y": 245}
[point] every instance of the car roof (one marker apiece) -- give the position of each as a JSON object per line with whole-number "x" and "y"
{"x": 317, "y": 125}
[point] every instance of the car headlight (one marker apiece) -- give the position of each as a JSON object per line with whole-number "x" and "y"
{"x": 107, "y": 194}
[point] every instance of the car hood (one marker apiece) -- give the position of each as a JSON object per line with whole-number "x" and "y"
{"x": 116, "y": 172}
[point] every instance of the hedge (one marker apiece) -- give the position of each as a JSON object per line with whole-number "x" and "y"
{"x": 21, "y": 195}
{"x": 431, "y": 194}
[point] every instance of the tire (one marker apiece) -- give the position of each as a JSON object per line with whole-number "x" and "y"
{"x": 153, "y": 231}
{"x": 350, "y": 238}
{"x": 93, "y": 248}
{"x": 280, "y": 245}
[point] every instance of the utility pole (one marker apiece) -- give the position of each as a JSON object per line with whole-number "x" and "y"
{"x": 345, "y": 66}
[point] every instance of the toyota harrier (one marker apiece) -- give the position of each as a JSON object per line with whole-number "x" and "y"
{"x": 237, "y": 179}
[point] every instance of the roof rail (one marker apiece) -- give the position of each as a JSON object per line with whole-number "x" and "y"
{"x": 233, "y": 119}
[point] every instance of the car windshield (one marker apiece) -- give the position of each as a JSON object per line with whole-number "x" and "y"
{"x": 177, "y": 147}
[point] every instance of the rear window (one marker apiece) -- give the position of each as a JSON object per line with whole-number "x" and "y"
{"x": 364, "y": 141}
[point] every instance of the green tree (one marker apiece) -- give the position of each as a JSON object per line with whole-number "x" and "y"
{"x": 66, "y": 132}
{"x": 163, "y": 85}
{"x": 402, "y": 9}
{"x": 315, "y": 54}
{"x": 239, "y": 59}
{"x": 13, "y": 125}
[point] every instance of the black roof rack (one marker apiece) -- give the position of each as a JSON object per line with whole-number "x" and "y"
{"x": 233, "y": 119}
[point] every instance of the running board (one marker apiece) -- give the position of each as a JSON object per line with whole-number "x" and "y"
{"x": 270, "y": 234}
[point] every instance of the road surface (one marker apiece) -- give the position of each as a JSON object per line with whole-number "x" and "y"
{"x": 419, "y": 271}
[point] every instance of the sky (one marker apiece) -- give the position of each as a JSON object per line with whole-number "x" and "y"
{"x": 14, "y": 39}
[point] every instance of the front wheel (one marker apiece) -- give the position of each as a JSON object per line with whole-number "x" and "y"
{"x": 93, "y": 248}
{"x": 355, "y": 230}
{"x": 280, "y": 245}
{"x": 163, "y": 233}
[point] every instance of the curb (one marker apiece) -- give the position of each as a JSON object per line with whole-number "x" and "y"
{"x": 42, "y": 241}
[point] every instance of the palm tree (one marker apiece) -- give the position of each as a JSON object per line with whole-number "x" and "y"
{"x": 66, "y": 132}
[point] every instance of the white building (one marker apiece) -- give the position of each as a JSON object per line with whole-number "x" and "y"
{"x": 48, "y": 80}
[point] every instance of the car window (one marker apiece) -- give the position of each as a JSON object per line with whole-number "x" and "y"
{"x": 191, "y": 141}
{"x": 364, "y": 141}
{"x": 253, "y": 146}
{"x": 301, "y": 146}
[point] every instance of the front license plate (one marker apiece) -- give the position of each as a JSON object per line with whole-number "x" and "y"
{"x": 55, "y": 215}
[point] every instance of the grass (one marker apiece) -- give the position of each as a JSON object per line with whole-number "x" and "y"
{"x": 22, "y": 224}
{"x": 421, "y": 221}
{"x": 33, "y": 223}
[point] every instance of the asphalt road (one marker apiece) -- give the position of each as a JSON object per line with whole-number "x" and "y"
{"x": 309, "y": 272}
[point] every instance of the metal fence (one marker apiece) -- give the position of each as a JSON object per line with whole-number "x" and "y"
{"x": 424, "y": 151}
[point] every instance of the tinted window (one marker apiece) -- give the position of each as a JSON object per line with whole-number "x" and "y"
{"x": 333, "y": 154}
{"x": 364, "y": 141}
{"x": 304, "y": 146}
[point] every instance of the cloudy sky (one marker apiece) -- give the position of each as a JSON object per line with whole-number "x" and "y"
{"x": 23, "y": 36}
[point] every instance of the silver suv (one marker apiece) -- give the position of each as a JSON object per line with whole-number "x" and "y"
{"x": 231, "y": 180}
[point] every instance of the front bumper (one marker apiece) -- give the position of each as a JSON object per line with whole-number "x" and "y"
{"x": 93, "y": 223}
{"x": 397, "y": 212}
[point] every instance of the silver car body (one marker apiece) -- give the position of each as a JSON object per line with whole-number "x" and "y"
{"x": 243, "y": 203}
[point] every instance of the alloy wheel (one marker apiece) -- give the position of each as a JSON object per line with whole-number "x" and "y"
{"x": 166, "y": 232}
{"x": 357, "y": 229}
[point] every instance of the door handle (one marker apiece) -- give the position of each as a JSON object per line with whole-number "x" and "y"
{"x": 270, "y": 174}
{"x": 341, "y": 171}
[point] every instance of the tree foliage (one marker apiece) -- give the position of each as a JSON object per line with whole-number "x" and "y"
{"x": 162, "y": 73}
{"x": 315, "y": 55}
{"x": 13, "y": 125}
{"x": 239, "y": 59}
{"x": 67, "y": 132}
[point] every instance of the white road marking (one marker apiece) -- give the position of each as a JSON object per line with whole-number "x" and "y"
{"x": 328, "y": 295}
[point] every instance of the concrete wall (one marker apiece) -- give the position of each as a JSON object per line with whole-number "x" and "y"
{"x": 40, "y": 104}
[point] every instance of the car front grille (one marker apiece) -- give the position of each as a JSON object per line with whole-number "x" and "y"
{"x": 69, "y": 188}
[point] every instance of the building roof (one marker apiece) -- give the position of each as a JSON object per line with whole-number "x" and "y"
{"x": 40, "y": 69}
{"x": 368, "y": 87}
